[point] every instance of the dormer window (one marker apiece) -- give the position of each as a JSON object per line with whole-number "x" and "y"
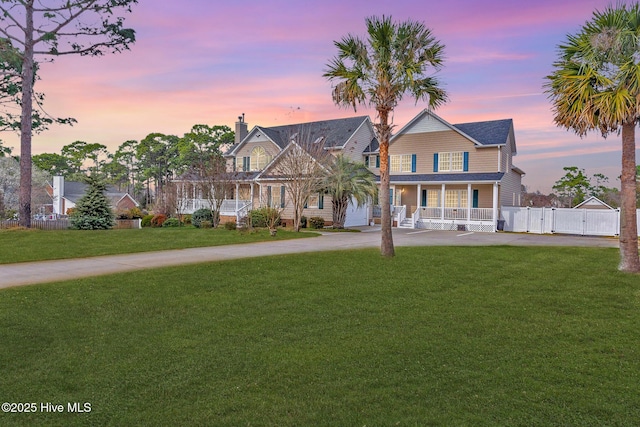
{"x": 259, "y": 159}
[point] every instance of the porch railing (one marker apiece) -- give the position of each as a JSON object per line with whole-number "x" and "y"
{"x": 400, "y": 214}
{"x": 477, "y": 214}
{"x": 228, "y": 206}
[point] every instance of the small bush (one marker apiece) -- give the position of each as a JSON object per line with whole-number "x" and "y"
{"x": 231, "y": 225}
{"x": 171, "y": 222}
{"x": 201, "y": 215}
{"x": 303, "y": 221}
{"x": 133, "y": 213}
{"x": 158, "y": 220}
{"x": 316, "y": 222}
{"x": 206, "y": 224}
{"x": 186, "y": 219}
{"x": 262, "y": 217}
{"x": 146, "y": 220}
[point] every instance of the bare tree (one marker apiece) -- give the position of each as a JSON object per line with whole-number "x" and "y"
{"x": 302, "y": 168}
{"x": 216, "y": 183}
{"x": 61, "y": 27}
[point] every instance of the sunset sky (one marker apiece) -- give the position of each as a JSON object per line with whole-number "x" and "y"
{"x": 198, "y": 61}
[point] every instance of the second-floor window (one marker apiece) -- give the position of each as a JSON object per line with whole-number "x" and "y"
{"x": 456, "y": 161}
{"x": 372, "y": 160}
{"x": 259, "y": 159}
{"x": 402, "y": 163}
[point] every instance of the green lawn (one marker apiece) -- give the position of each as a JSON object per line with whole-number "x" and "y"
{"x": 36, "y": 245}
{"x": 497, "y": 336}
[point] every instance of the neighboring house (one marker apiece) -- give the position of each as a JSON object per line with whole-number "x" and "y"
{"x": 254, "y": 158}
{"x": 449, "y": 177}
{"x": 65, "y": 195}
{"x": 593, "y": 203}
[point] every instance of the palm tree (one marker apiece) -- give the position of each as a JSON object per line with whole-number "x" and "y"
{"x": 378, "y": 72}
{"x": 596, "y": 86}
{"x": 348, "y": 180}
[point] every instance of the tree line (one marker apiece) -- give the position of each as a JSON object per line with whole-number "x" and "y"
{"x": 141, "y": 168}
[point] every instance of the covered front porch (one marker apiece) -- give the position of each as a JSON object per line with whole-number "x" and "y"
{"x": 471, "y": 206}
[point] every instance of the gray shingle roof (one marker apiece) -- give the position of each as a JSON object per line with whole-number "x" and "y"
{"x": 335, "y": 133}
{"x": 73, "y": 191}
{"x": 447, "y": 177}
{"x": 494, "y": 132}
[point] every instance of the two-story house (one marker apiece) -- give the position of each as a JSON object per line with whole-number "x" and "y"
{"x": 253, "y": 162}
{"x": 449, "y": 177}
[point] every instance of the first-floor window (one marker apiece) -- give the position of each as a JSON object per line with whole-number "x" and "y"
{"x": 275, "y": 196}
{"x": 433, "y": 198}
{"x": 455, "y": 199}
{"x": 312, "y": 203}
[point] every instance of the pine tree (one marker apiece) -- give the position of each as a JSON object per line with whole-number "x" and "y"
{"x": 93, "y": 210}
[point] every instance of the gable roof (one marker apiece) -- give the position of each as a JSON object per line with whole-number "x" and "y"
{"x": 594, "y": 203}
{"x": 317, "y": 156}
{"x": 334, "y": 133}
{"x": 483, "y": 134}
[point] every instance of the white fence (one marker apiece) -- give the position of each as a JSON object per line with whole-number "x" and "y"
{"x": 585, "y": 222}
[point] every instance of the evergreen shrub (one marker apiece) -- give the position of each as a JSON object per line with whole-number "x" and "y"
{"x": 200, "y": 215}
{"x": 316, "y": 222}
{"x": 171, "y": 222}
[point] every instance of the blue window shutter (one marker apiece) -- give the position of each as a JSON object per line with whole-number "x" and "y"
{"x": 321, "y": 201}
{"x": 268, "y": 195}
{"x": 413, "y": 163}
{"x": 475, "y": 198}
{"x": 435, "y": 162}
{"x": 282, "y": 196}
{"x": 306, "y": 203}
{"x": 391, "y": 196}
{"x": 465, "y": 166}
{"x": 234, "y": 164}
{"x": 366, "y": 161}
{"x": 378, "y": 162}
{"x": 423, "y": 198}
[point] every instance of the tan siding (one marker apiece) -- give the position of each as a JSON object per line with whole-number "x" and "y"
{"x": 485, "y": 195}
{"x": 409, "y": 197}
{"x": 358, "y": 143}
{"x": 424, "y": 145}
{"x": 287, "y": 212}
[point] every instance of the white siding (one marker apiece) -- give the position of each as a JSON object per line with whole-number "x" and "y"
{"x": 427, "y": 123}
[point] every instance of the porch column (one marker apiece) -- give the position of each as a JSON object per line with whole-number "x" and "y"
{"x": 237, "y": 197}
{"x": 442, "y": 201}
{"x": 494, "y": 215}
{"x": 469, "y": 201}
{"x": 419, "y": 201}
{"x": 251, "y": 194}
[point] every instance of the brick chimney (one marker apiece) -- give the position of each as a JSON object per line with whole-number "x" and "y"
{"x": 241, "y": 129}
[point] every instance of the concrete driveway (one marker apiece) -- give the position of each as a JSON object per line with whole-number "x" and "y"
{"x": 52, "y": 271}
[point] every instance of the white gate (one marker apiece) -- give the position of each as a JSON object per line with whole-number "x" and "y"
{"x": 585, "y": 222}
